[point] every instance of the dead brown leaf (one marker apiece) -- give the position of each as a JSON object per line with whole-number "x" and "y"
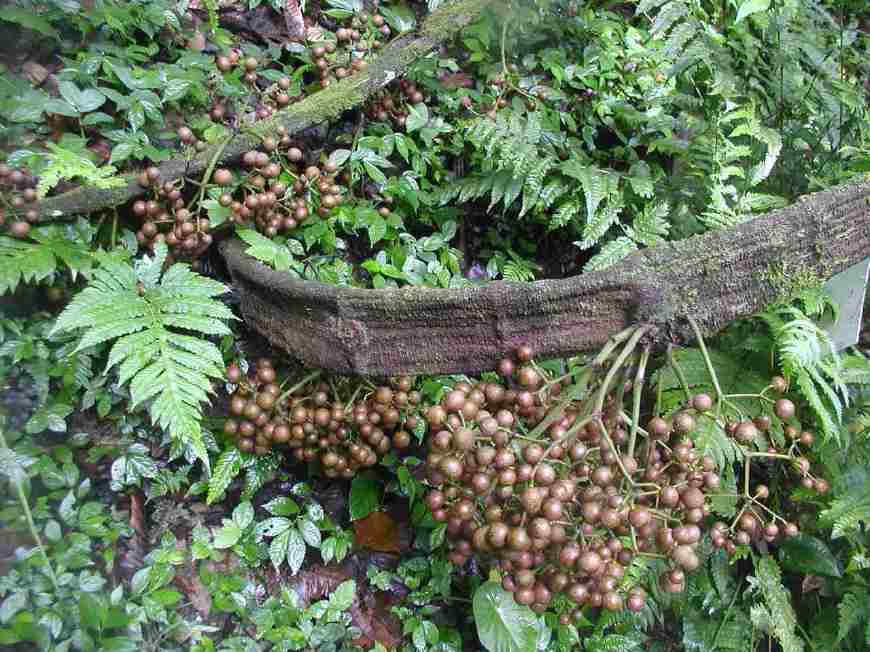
{"x": 377, "y": 531}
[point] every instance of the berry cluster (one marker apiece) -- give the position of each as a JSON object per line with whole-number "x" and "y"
{"x": 22, "y": 190}
{"x": 185, "y": 234}
{"x": 314, "y": 424}
{"x": 548, "y": 479}
{"x": 393, "y": 106}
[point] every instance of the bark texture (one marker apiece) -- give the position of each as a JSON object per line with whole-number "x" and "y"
{"x": 715, "y": 278}
{"x": 325, "y": 105}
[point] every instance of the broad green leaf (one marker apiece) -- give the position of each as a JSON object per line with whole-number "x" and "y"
{"x": 502, "y": 624}
{"x": 309, "y": 531}
{"x": 228, "y": 535}
{"x": 364, "y": 496}
{"x": 750, "y": 7}
{"x": 418, "y": 117}
{"x": 243, "y": 514}
{"x": 83, "y": 101}
{"x": 342, "y": 598}
{"x": 295, "y": 550}
{"x": 282, "y": 506}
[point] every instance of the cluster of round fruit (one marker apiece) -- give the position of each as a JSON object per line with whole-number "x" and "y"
{"x": 188, "y": 235}
{"x": 553, "y": 491}
{"x": 393, "y": 105}
{"x": 188, "y": 137}
{"x": 265, "y": 198}
{"x": 323, "y": 66}
{"x": 22, "y": 189}
{"x": 227, "y": 62}
{"x": 315, "y": 424}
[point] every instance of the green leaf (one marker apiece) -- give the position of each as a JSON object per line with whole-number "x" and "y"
{"x": 310, "y": 532}
{"x": 32, "y": 261}
{"x": 343, "y": 596}
{"x": 272, "y": 527}
{"x": 90, "y": 611}
{"x": 807, "y": 554}
{"x": 14, "y": 603}
{"x": 228, "y": 535}
{"x": 502, "y": 624}
{"x": 364, "y": 496}
{"x": 282, "y": 506}
{"x": 750, "y": 7}
{"x": 243, "y": 514}
{"x": 418, "y": 117}
{"x": 83, "y": 101}
{"x": 52, "y": 531}
{"x": 266, "y": 250}
{"x": 399, "y": 17}
{"x": 28, "y": 19}
{"x": 228, "y": 466}
{"x": 295, "y": 550}
{"x": 339, "y": 157}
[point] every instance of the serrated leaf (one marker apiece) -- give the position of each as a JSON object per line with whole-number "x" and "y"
{"x": 228, "y": 466}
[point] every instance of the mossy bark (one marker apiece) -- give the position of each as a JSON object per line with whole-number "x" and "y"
{"x": 325, "y": 105}
{"x": 715, "y": 278}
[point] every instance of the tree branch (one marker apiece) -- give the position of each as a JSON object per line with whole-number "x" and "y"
{"x": 715, "y": 277}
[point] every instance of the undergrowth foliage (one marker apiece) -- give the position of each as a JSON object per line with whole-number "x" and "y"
{"x": 718, "y": 497}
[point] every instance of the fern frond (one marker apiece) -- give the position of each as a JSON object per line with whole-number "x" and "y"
{"x": 775, "y": 615}
{"x": 651, "y": 226}
{"x": 38, "y": 258}
{"x": 599, "y": 225}
{"x": 149, "y": 316}
{"x": 63, "y": 164}
{"x": 515, "y": 148}
{"x": 611, "y": 253}
{"x": 853, "y": 609}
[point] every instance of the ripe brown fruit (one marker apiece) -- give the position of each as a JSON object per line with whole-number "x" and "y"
{"x": 784, "y": 409}
{"x": 223, "y": 177}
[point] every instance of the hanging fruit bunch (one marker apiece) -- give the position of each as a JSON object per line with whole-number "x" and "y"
{"x": 311, "y": 422}
{"x": 554, "y": 480}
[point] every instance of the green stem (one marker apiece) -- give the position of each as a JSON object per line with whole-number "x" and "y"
{"x": 302, "y": 383}
{"x": 679, "y": 372}
{"x": 572, "y": 394}
{"x": 208, "y": 171}
{"x": 28, "y": 515}
{"x": 638, "y": 332}
{"x": 611, "y": 344}
{"x": 709, "y": 363}
{"x": 637, "y": 392}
